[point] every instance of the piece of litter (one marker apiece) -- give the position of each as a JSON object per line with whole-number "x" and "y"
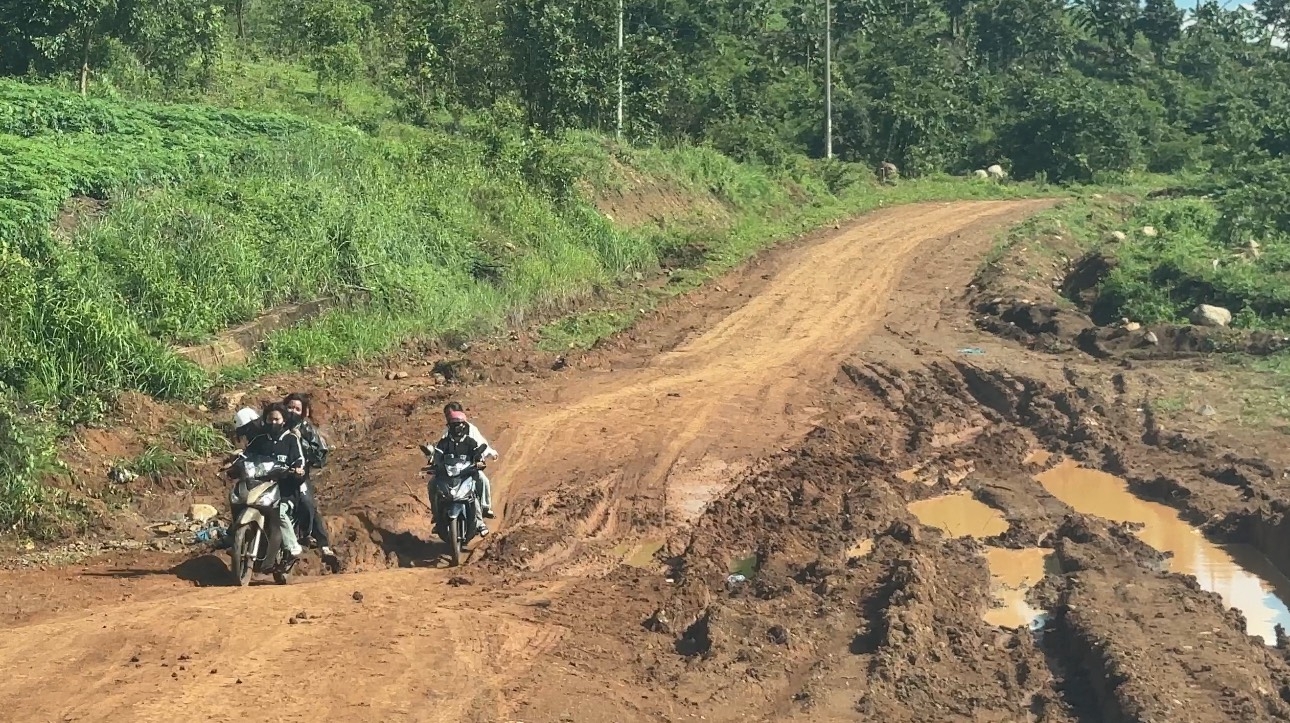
{"x": 973, "y": 350}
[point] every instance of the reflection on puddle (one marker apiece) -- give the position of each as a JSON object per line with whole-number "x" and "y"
{"x": 1244, "y": 578}
{"x": 959, "y": 515}
{"x": 1012, "y": 574}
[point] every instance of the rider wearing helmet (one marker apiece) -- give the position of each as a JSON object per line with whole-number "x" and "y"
{"x": 275, "y": 439}
{"x": 457, "y": 442}
{"x": 484, "y": 486}
{"x": 300, "y": 411}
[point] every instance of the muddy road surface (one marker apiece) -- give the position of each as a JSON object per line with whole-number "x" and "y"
{"x": 814, "y": 490}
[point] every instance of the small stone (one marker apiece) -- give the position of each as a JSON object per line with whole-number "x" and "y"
{"x": 134, "y": 659}
{"x": 1132, "y": 326}
{"x": 202, "y": 513}
{"x": 293, "y": 621}
{"x": 658, "y": 622}
{"x": 1208, "y": 411}
{"x": 358, "y": 596}
{"x": 1151, "y": 338}
{"x": 1150, "y": 231}
{"x": 302, "y": 615}
{"x": 400, "y": 375}
{"x": 1119, "y": 236}
{"x": 239, "y": 681}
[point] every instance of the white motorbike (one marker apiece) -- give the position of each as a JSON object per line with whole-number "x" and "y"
{"x": 452, "y": 499}
{"x": 256, "y": 532}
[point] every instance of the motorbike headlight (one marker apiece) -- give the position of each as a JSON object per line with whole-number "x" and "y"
{"x": 463, "y": 490}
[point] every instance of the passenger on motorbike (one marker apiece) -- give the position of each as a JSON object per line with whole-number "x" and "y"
{"x": 457, "y": 442}
{"x": 483, "y": 486}
{"x": 275, "y": 439}
{"x": 299, "y": 420}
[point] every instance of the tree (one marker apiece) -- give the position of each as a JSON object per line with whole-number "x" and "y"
{"x": 562, "y": 60}
{"x": 1275, "y": 15}
{"x": 60, "y": 35}
{"x": 1114, "y": 22}
{"x": 329, "y": 34}
{"x": 166, "y": 35}
{"x": 1009, "y": 34}
{"x": 1161, "y": 24}
{"x": 450, "y": 51}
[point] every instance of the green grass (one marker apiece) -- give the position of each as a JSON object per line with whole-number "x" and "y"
{"x": 155, "y": 461}
{"x": 199, "y": 439}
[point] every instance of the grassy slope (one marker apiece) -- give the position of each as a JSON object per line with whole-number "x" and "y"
{"x": 213, "y": 216}
{"x": 1161, "y": 278}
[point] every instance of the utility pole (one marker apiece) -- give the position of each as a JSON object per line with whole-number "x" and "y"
{"x": 620, "y": 71}
{"x": 828, "y": 78}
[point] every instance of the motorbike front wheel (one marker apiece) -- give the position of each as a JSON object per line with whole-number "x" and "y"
{"x": 243, "y": 555}
{"x": 456, "y": 533}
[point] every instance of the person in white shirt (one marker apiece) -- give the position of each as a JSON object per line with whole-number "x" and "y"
{"x": 484, "y": 488}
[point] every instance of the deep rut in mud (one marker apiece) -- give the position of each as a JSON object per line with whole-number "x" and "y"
{"x": 787, "y": 497}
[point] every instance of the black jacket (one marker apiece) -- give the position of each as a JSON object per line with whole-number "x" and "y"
{"x": 468, "y": 447}
{"x": 287, "y": 449}
{"x": 314, "y": 446}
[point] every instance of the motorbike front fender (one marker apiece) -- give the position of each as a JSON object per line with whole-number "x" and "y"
{"x": 457, "y": 509}
{"x": 250, "y": 515}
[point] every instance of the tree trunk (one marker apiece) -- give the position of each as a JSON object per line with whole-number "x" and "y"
{"x": 241, "y": 19}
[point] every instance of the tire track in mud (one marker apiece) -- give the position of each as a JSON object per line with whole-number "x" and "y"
{"x": 896, "y": 630}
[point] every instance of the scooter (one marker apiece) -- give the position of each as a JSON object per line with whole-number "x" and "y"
{"x": 256, "y": 532}
{"x": 453, "y": 499}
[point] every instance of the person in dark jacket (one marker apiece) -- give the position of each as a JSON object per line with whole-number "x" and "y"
{"x": 300, "y": 420}
{"x": 276, "y": 439}
{"x": 459, "y": 442}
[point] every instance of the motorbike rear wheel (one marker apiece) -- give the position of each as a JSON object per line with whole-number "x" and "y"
{"x": 243, "y": 555}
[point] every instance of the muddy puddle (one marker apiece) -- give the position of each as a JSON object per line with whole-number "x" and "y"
{"x": 746, "y": 566}
{"x": 1244, "y": 578}
{"x": 1012, "y": 574}
{"x": 640, "y": 554}
{"x": 959, "y": 515}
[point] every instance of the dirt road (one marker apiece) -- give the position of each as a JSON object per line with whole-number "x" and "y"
{"x": 777, "y": 423}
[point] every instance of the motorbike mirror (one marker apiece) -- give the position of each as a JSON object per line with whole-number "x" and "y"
{"x": 427, "y": 450}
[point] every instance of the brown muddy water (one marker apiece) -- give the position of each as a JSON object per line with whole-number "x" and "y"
{"x": 1245, "y": 579}
{"x": 1012, "y": 572}
{"x": 959, "y": 515}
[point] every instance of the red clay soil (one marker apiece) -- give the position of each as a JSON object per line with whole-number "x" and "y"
{"x": 777, "y": 423}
